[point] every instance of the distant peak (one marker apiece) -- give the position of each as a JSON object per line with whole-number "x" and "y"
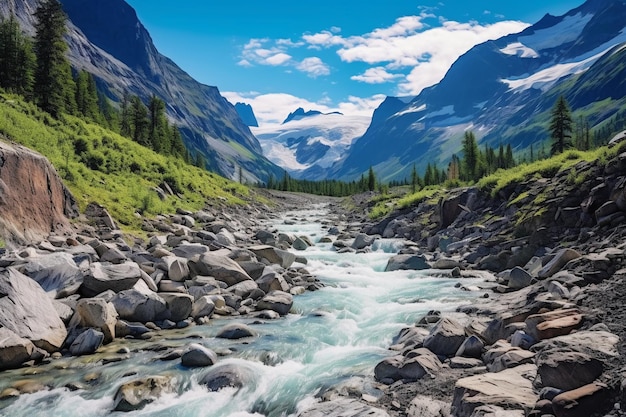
{"x": 299, "y": 114}
{"x": 246, "y": 113}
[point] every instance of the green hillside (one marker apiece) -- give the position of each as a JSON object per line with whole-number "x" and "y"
{"x": 101, "y": 166}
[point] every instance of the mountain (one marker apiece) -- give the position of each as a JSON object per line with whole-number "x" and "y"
{"x": 246, "y": 113}
{"x": 307, "y": 144}
{"x": 503, "y": 90}
{"x": 107, "y": 39}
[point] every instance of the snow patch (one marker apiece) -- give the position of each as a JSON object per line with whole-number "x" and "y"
{"x": 568, "y": 30}
{"x": 520, "y": 50}
{"x": 411, "y": 110}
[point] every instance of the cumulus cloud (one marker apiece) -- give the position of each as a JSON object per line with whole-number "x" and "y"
{"x": 313, "y": 67}
{"x": 376, "y": 75}
{"x": 272, "y": 109}
{"x": 264, "y": 52}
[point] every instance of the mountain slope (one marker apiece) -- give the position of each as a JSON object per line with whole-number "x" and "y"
{"x": 308, "y": 143}
{"x": 503, "y": 91}
{"x": 107, "y": 39}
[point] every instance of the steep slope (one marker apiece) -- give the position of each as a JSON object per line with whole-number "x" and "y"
{"x": 246, "y": 112}
{"x": 107, "y": 39}
{"x": 307, "y": 144}
{"x": 503, "y": 91}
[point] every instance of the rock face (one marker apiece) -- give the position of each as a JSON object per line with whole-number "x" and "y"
{"x": 33, "y": 201}
{"x": 26, "y": 310}
{"x": 343, "y": 408}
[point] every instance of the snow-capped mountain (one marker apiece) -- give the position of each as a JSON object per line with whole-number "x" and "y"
{"x": 308, "y": 143}
{"x": 503, "y": 90}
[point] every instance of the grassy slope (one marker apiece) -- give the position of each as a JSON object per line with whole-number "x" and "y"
{"x": 126, "y": 172}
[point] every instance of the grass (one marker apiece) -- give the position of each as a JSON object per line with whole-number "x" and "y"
{"x": 101, "y": 166}
{"x": 384, "y": 206}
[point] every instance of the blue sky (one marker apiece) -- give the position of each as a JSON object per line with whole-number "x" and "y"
{"x": 329, "y": 55}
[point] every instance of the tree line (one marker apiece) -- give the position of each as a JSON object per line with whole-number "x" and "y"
{"x": 39, "y": 70}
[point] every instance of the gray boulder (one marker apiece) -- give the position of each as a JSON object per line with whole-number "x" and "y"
{"x": 272, "y": 281}
{"x": 300, "y": 244}
{"x": 422, "y": 406}
{"x": 560, "y": 259}
{"x": 136, "y": 394}
{"x": 273, "y": 255}
{"x": 98, "y": 314}
{"x": 236, "y": 331}
{"x": 567, "y": 370}
{"x": 519, "y": 278}
{"x": 234, "y": 375}
{"x": 220, "y": 267}
{"x": 362, "y": 241}
{"x": 26, "y": 310}
{"x": 445, "y": 338}
{"x": 14, "y": 350}
{"x": 278, "y": 301}
{"x": 177, "y": 268}
{"x": 407, "y": 262}
{"x": 179, "y": 305}
{"x": 343, "y": 408}
{"x": 197, "y": 355}
{"x": 134, "y": 305}
{"x": 202, "y": 307}
{"x": 103, "y": 277}
{"x": 87, "y": 342}
{"x": 55, "y": 273}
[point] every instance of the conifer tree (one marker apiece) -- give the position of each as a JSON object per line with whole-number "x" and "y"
{"x": 414, "y": 180}
{"x": 54, "y": 85}
{"x": 17, "y": 59}
{"x": 470, "y": 157}
{"x": 561, "y": 127}
{"x": 87, "y": 96}
{"x": 371, "y": 180}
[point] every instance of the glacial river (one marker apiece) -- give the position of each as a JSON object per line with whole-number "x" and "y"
{"x": 330, "y": 336}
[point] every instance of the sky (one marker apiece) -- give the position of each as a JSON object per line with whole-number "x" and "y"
{"x": 328, "y": 55}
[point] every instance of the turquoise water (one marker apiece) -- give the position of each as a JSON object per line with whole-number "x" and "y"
{"x": 331, "y": 335}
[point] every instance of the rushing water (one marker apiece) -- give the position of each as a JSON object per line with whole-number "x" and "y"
{"x": 331, "y": 335}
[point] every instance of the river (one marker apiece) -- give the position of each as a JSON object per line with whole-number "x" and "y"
{"x": 332, "y": 335}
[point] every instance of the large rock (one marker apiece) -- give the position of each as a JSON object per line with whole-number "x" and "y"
{"x": 343, "y": 408}
{"x": 97, "y": 313}
{"x": 179, "y": 305}
{"x": 594, "y": 343}
{"x": 220, "y": 267}
{"x": 177, "y": 268}
{"x": 197, "y": 355}
{"x": 26, "y": 310}
{"x": 135, "y": 395}
{"x": 362, "y": 241}
{"x": 509, "y": 389}
{"x": 87, "y": 342}
{"x": 273, "y": 255}
{"x": 236, "y": 331}
{"x": 518, "y": 278}
{"x": 234, "y": 375}
{"x": 55, "y": 273}
{"x": 553, "y": 323}
{"x": 33, "y": 200}
{"x": 567, "y": 370}
{"x": 202, "y": 307}
{"x": 407, "y": 262}
{"x": 422, "y": 406}
{"x": 278, "y": 301}
{"x": 446, "y": 337}
{"x": 272, "y": 281}
{"x": 14, "y": 350}
{"x": 134, "y": 305}
{"x": 582, "y": 402}
{"x": 103, "y": 277}
{"x": 560, "y": 259}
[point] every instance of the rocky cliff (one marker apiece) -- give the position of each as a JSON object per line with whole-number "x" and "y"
{"x": 33, "y": 201}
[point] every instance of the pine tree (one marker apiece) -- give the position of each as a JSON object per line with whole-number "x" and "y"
{"x": 454, "y": 168}
{"x": 414, "y": 180}
{"x": 371, "y": 180}
{"x": 139, "y": 122}
{"x": 87, "y": 97}
{"x": 17, "y": 59}
{"x": 470, "y": 157}
{"x": 54, "y": 85}
{"x": 561, "y": 127}
{"x": 159, "y": 136}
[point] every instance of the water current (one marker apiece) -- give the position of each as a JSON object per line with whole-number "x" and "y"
{"x": 330, "y": 336}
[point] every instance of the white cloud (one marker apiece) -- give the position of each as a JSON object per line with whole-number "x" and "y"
{"x": 263, "y": 52}
{"x": 271, "y": 109}
{"x": 313, "y": 67}
{"x": 278, "y": 59}
{"x": 376, "y": 75}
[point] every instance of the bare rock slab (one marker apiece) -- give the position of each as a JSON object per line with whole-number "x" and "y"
{"x": 26, "y": 310}
{"x": 14, "y": 350}
{"x": 103, "y": 277}
{"x": 509, "y": 389}
{"x": 343, "y": 408}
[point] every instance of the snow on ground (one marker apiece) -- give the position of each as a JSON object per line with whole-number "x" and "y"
{"x": 568, "y": 30}
{"x": 520, "y": 50}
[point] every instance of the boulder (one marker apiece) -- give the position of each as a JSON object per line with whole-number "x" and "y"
{"x": 102, "y": 277}
{"x": 472, "y": 347}
{"x": 244, "y": 289}
{"x": 87, "y": 342}
{"x": 272, "y": 281}
{"x": 234, "y": 375}
{"x": 55, "y": 273}
{"x": 407, "y": 262}
{"x": 197, "y": 355}
{"x": 567, "y": 370}
{"x": 362, "y": 241}
{"x": 422, "y": 406}
{"x": 273, "y": 255}
{"x": 138, "y": 306}
{"x": 343, "y": 407}
{"x": 220, "y": 267}
{"x": 278, "y": 301}
{"x": 98, "y": 314}
{"x": 300, "y": 244}
{"x": 14, "y": 350}
{"x": 415, "y": 368}
{"x": 553, "y": 323}
{"x": 594, "y": 343}
{"x": 584, "y": 401}
{"x": 27, "y": 311}
{"x": 202, "y": 307}
{"x": 177, "y": 268}
{"x": 560, "y": 259}
{"x": 179, "y": 305}
{"x": 235, "y": 331}
{"x": 509, "y": 389}
{"x": 136, "y": 394}
{"x": 519, "y": 278}
{"x": 446, "y": 337}
{"x": 511, "y": 359}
